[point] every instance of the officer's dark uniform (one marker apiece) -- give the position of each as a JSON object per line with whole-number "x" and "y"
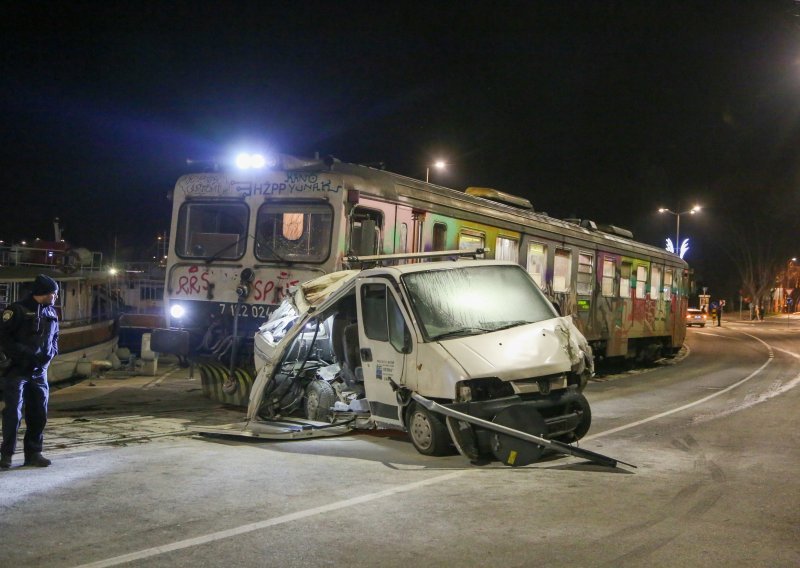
{"x": 29, "y": 338}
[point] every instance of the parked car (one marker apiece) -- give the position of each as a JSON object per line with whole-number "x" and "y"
{"x": 695, "y": 317}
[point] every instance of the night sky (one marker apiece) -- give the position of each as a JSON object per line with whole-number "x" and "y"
{"x": 603, "y": 110}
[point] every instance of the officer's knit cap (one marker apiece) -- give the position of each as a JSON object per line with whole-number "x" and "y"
{"x": 44, "y": 285}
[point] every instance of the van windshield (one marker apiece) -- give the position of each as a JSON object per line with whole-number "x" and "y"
{"x": 474, "y": 300}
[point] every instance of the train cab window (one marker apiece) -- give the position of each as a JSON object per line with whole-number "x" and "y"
{"x": 298, "y": 231}
{"x": 366, "y": 228}
{"x": 668, "y": 281}
{"x": 469, "y": 240}
{"x": 562, "y": 270}
{"x": 641, "y": 282}
{"x": 625, "y": 280}
{"x": 585, "y": 273}
{"x": 609, "y": 275}
{"x": 537, "y": 260}
{"x": 655, "y": 282}
{"x": 212, "y": 230}
{"x": 439, "y": 236}
{"x": 506, "y": 249}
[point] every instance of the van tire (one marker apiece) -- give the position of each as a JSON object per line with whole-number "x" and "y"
{"x": 428, "y": 432}
{"x": 319, "y": 400}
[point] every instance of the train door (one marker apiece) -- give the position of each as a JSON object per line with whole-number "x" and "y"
{"x": 385, "y": 344}
{"x": 404, "y": 230}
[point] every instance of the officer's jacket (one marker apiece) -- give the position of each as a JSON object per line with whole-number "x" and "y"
{"x": 29, "y": 336}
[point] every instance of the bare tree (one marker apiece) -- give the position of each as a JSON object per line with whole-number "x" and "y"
{"x": 756, "y": 252}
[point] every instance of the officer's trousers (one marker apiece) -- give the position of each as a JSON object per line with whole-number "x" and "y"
{"x": 32, "y": 393}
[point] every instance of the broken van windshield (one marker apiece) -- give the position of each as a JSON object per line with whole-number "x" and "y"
{"x": 475, "y": 299}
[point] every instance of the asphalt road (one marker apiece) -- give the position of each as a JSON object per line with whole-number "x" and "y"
{"x": 714, "y": 435}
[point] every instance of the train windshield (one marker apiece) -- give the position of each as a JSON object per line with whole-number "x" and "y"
{"x": 474, "y": 300}
{"x": 212, "y": 230}
{"x": 296, "y": 231}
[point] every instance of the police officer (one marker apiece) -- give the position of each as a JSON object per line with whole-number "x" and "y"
{"x": 29, "y": 339}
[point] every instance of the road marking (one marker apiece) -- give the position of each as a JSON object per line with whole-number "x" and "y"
{"x": 243, "y": 529}
{"x": 770, "y": 359}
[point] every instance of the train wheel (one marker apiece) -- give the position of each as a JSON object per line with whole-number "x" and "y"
{"x": 428, "y": 432}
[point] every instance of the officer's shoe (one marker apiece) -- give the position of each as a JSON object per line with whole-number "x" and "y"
{"x": 37, "y": 460}
{"x": 5, "y": 461}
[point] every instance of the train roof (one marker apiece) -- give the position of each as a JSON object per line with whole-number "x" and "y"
{"x": 483, "y": 201}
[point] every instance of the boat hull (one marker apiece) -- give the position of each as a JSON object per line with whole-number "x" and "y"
{"x": 94, "y": 342}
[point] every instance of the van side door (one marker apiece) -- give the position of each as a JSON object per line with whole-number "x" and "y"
{"x": 384, "y": 343}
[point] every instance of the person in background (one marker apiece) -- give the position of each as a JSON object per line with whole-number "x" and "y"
{"x": 29, "y": 339}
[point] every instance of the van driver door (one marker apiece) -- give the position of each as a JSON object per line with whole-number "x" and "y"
{"x": 384, "y": 344}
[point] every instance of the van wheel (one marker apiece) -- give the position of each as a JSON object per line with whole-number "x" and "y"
{"x": 428, "y": 432}
{"x": 583, "y": 426}
{"x": 319, "y": 400}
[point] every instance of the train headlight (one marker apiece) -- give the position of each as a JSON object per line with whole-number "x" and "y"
{"x": 245, "y": 161}
{"x": 177, "y": 311}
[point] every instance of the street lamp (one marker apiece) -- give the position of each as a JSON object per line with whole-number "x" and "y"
{"x": 438, "y": 164}
{"x": 691, "y": 211}
{"x": 786, "y": 286}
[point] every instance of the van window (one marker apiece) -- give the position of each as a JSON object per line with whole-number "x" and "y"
{"x": 382, "y": 318}
{"x": 537, "y": 261}
{"x": 294, "y": 230}
{"x": 562, "y": 270}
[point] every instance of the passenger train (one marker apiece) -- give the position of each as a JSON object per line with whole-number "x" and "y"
{"x": 242, "y": 238}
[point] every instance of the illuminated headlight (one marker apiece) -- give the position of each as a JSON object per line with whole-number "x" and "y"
{"x": 177, "y": 311}
{"x": 246, "y": 161}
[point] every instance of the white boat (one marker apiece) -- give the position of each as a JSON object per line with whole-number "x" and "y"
{"x": 87, "y": 305}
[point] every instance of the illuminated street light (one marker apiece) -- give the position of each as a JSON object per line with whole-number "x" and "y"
{"x": 438, "y": 164}
{"x": 691, "y": 211}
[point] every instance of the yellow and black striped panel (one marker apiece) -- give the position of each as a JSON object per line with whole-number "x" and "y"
{"x": 213, "y": 377}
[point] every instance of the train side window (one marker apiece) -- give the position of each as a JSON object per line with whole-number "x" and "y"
{"x": 439, "y": 236}
{"x": 585, "y": 273}
{"x": 641, "y": 282}
{"x": 366, "y": 227}
{"x": 609, "y": 270}
{"x": 655, "y": 282}
{"x": 469, "y": 240}
{"x": 668, "y": 281}
{"x": 537, "y": 260}
{"x": 562, "y": 270}
{"x": 506, "y": 249}
{"x": 625, "y": 280}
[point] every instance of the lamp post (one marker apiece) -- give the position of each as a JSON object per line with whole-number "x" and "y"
{"x": 691, "y": 211}
{"x": 786, "y": 288}
{"x": 438, "y": 164}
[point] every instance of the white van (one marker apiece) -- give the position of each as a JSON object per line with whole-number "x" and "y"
{"x": 381, "y": 347}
